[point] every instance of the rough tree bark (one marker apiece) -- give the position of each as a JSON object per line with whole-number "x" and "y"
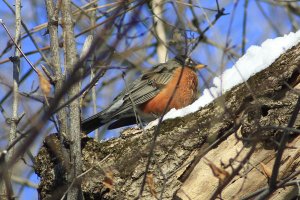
{"x": 243, "y": 120}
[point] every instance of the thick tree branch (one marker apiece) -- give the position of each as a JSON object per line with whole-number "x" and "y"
{"x": 178, "y": 168}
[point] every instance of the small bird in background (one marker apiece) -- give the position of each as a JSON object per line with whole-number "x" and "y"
{"x": 146, "y": 98}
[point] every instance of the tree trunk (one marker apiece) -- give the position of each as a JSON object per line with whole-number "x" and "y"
{"x": 233, "y": 137}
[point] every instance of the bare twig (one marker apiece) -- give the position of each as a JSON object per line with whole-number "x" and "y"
{"x": 244, "y": 38}
{"x": 17, "y": 46}
{"x": 217, "y": 192}
{"x": 93, "y": 58}
{"x": 23, "y": 181}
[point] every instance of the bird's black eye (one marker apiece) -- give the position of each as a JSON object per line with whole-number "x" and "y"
{"x": 188, "y": 61}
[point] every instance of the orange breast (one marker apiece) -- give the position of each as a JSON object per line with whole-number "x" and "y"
{"x": 185, "y": 93}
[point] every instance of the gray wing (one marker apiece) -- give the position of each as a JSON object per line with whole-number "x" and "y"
{"x": 141, "y": 90}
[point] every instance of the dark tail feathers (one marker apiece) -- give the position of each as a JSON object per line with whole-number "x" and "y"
{"x": 92, "y": 123}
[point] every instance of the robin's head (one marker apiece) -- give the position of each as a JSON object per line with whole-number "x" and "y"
{"x": 188, "y": 62}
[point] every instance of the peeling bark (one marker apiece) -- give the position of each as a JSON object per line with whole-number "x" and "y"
{"x": 233, "y": 122}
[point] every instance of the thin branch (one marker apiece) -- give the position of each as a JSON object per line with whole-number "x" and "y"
{"x": 268, "y": 18}
{"x": 74, "y": 128}
{"x": 159, "y": 29}
{"x": 244, "y": 37}
{"x": 17, "y": 46}
{"x": 55, "y": 62}
{"x": 24, "y": 182}
{"x": 93, "y": 58}
{"x": 15, "y": 104}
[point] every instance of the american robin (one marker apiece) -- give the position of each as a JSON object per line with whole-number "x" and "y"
{"x": 147, "y": 97}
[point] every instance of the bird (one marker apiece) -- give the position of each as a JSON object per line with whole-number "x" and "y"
{"x": 173, "y": 84}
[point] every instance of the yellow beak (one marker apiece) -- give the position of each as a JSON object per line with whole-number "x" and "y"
{"x": 200, "y": 66}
